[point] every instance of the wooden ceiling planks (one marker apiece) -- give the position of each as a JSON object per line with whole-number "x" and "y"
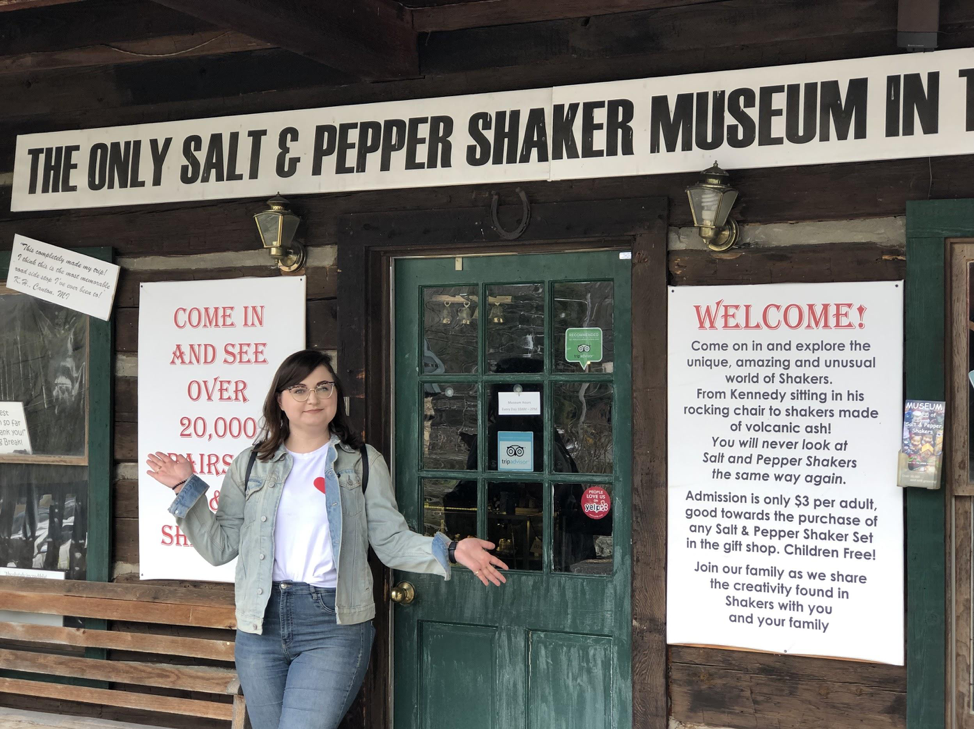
{"x": 369, "y": 39}
{"x": 483, "y": 13}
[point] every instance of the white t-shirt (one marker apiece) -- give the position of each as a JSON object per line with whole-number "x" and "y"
{"x": 303, "y": 549}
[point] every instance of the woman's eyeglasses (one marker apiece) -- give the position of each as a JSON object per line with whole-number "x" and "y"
{"x": 301, "y": 393}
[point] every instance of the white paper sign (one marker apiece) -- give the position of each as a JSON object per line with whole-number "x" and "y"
{"x": 208, "y": 351}
{"x": 785, "y": 521}
{"x": 889, "y": 107}
{"x": 14, "y": 435}
{"x": 519, "y": 403}
{"x": 63, "y": 277}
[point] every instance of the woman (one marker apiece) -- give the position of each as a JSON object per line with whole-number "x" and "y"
{"x": 301, "y": 527}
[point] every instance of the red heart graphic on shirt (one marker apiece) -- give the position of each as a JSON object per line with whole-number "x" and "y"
{"x": 320, "y": 484}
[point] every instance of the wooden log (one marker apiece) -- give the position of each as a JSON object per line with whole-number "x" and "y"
{"x": 125, "y": 442}
{"x": 6, "y": 5}
{"x": 457, "y": 16}
{"x": 187, "y": 678}
{"x": 126, "y": 399}
{"x": 792, "y": 668}
{"x": 666, "y": 32}
{"x": 792, "y": 264}
{"x": 368, "y": 39}
{"x": 93, "y": 23}
{"x": 125, "y": 499}
{"x": 125, "y": 541}
{"x": 145, "y": 702}
{"x": 216, "y": 650}
{"x": 729, "y": 697}
{"x": 322, "y": 281}
{"x": 190, "y": 45}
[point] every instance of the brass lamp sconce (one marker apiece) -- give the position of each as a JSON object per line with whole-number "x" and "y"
{"x": 711, "y": 200}
{"x": 277, "y": 226}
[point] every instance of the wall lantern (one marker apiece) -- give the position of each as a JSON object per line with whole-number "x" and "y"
{"x": 711, "y": 200}
{"x": 277, "y": 226}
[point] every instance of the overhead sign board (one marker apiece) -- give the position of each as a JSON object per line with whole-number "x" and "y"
{"x": 889, "y": 107}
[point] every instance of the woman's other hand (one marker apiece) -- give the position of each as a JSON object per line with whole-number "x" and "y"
{"x": 169, "y": 471}
{"x": 472, "y": 553}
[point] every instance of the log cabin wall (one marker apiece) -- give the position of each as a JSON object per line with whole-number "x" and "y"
{"x": 815, "y": 223}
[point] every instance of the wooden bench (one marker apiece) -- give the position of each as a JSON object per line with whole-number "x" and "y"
{"x": 79, "y": 653}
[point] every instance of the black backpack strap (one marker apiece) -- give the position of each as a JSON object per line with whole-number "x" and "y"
{"x": 365, "y": 467}
{"x": 250, "y": 467}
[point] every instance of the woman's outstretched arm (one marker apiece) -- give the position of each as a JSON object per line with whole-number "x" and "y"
{"x": 215, "y": 536}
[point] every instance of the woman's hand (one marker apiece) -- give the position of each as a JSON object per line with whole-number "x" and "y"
{"x": 169, "y": 471}
{"x": 472, "y": 552}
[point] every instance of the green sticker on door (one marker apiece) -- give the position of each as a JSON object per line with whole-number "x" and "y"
{"x": 583, "y": 345}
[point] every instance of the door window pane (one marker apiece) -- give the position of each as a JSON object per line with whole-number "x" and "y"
{"x": 514, "y": 420}
{"x": 582, "y": 427}
{"x": 450, "y": 427}
{"x": 515, "y": 523}
{"x": 582, "y": 529}
{"x": 515, "y": 328}
{"x": 450, "y": 506}
{"x": 583, "y": 306}
{"x": 450, "y": 327}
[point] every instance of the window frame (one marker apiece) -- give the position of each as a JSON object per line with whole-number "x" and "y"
{"x": 931, "y": 520}
{"x": 99, "y": 441}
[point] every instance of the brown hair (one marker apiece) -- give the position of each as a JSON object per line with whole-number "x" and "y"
{"x": 292, "y": 370}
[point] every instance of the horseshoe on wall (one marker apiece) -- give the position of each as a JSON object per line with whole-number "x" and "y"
{"x": 522, "y": 226}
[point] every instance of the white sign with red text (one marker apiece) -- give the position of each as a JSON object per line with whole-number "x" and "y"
{"x": 208, "y": 351}
{"x": 785, "y": 522}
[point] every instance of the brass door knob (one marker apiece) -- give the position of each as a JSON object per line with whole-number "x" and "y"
{"x": 403, "y": 593}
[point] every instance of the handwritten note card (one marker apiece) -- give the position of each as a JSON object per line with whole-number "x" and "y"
{"x": 63, "y": 277}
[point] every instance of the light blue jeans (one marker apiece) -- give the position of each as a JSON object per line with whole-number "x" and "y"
{"x": 304, "y": 670}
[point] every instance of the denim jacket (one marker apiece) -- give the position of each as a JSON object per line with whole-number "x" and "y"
{"x": 243, "y": 527}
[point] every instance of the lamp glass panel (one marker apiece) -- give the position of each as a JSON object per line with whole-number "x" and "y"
{"x": 289, "y": 226}
{"x": 726, "y": 203}
{"x": 269, "y": 225}
{"x": 704, "y": 202}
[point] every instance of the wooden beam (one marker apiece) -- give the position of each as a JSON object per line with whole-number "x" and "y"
{"x": 92, "y": 23}
{"x": 106, "y": 33}
{"x": 192, "y": 45}
{"x": 370, "y": 39}
{"x": 482, "y": 13}
{"x": 6, "y": 5}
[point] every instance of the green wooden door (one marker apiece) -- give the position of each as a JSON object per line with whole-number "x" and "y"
{"x": 504, "y": 432}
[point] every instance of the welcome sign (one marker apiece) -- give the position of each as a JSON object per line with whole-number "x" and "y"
{"x": 890, "y": 107}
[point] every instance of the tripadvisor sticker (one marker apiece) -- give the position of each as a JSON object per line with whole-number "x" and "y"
{"x": 583, "y": 345}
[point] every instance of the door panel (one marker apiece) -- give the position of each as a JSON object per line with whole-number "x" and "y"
{"x": 569, "y": 681}
{"x": 513, "y": 423}
{"x": 458, "y": 662}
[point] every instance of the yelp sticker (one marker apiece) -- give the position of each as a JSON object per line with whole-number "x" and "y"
{"x": 596, "y": 502}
